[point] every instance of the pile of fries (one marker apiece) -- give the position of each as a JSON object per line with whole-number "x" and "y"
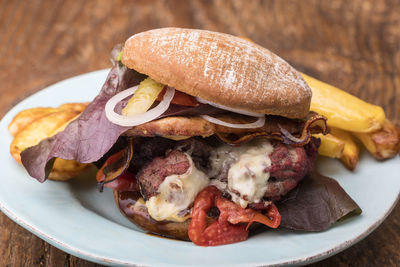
{"x": 31, "y": 126}
{"x": 352, "y": 122}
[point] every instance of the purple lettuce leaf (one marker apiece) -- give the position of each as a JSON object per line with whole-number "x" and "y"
{"x": 91, "y": 135}
{"x": 315, "y": 204}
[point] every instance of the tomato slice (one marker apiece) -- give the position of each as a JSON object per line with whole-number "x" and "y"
{"x": 180, "y": 98}
{"x": 226, "y": 229}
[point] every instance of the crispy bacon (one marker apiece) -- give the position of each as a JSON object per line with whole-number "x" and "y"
{"x": 293, "y": 132}
{"x": 286, "y": 132}
{"x": 314, "y": 121}
{"x": 235, "y": 214}
{"x": 219, "y": 232}
{"x": 227, "y": 228}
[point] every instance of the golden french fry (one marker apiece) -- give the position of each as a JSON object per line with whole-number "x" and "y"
{"x": 350, "y": 153}
{"x": 44, "y": 127}
{"x": 40, "y": 129}
{"x": 31, "y": 126}
{"x": 331, "y": 146}
{"x": 78, "y": 107}
{"x": 66, "y": 169}
{"x": 383, "y": 143}
{"x": 27, "y": 116}
{"x": 343, "y": 110}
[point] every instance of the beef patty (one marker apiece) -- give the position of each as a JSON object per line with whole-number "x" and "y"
{"x": 154, "y": 173}
{"x": 288, "y": 165}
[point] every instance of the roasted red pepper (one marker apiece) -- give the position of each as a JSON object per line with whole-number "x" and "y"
{"x": 226, "y": 229}
{"x": 100, "y": 175}
{"x": 272, "y": 218}
{"x": 125, "y": 182}
{"x": 180, "y": 98}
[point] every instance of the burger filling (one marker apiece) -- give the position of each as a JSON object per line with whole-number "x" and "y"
{"x": 243, "y": 171}
{"x": 260, "y": 169}
{"x": 177, "y": 191}
{"x": 253, "y": 173}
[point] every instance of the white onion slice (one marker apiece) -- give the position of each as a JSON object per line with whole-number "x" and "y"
{"x": 257, "y": 124}
{"x": 240, "y": 111}
{"x": 130, "y": 121}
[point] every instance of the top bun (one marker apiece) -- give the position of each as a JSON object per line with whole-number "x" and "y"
{"x": 220, "y": 68}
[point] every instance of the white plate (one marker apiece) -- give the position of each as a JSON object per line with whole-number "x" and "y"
{"x": 76, "y": 218}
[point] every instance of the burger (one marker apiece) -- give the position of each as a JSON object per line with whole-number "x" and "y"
{"x": 202, "y": 136}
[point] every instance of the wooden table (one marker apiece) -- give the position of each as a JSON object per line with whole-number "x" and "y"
{"x": 351, "y": 44}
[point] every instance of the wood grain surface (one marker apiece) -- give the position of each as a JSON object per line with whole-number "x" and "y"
{"x": 354, "y": 45}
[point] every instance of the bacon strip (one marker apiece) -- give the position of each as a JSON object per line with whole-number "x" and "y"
{"x": 227, "y": 228}
{"x": 284, "y": 132}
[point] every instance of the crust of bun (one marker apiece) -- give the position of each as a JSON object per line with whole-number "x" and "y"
{"x": 220, "y": 68}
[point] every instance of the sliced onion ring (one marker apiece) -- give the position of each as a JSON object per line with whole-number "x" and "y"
{"x": 240, "y": 111}
{"x": 130, "y": 121}
{"x": 257, "y": 124}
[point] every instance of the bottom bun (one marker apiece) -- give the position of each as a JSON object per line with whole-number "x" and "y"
{"x": 130, "y": 206}
{"x": 127, "y": 203}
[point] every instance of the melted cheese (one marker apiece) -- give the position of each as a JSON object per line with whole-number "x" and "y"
{"x": 247, "y": 175}
{"x": 177, "y": 193}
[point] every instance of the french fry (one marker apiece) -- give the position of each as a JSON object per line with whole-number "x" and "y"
{"x": 341, "y": 145}
{"x": 350, "y": 153}
{"x": 33, "y": 125}
{"x": 66, "y": 169}
{"x": 343, "y": 110}
{"x": 331, "y": 146}
{"x": 38, "y": 130}
{"x": 78, "y": 107}
{"x": 383, "y": 143}
{"x": 26, "y": 117}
